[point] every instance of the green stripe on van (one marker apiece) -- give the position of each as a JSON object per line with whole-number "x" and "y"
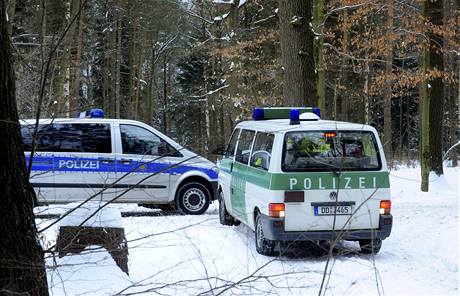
{"x": 329, "y": 180}
{"x": 310, "y": 180}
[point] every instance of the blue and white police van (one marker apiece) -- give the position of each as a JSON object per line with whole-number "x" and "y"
{"x": 114, "y": 159}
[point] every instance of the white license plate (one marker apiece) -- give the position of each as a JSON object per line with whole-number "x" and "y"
{"x": 332, "y": 210}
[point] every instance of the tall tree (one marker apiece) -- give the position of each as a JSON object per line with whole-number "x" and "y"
{"x": 388, "y": 90}
{"x": 75, "y": 91}
{"x": 432, "y": 114}
{"x": 434, "y": 10}
{"x": 296, "y": 37}
{"x": 22, "y": 268}
{"x": 318, "y": 18}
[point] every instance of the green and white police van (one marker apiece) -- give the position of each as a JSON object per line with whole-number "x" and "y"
{"x": 291, "y": 176}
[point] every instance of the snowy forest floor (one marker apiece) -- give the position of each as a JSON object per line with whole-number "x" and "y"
{"x": 189, "y": 255}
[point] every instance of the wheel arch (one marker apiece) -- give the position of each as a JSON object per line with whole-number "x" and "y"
{"x": 198, "y": 178}
{"x": 255, "y": 213}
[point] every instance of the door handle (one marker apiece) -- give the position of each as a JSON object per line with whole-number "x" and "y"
{"x": 126, "y": 161}
{"x": 107, "y": 160}
{"x": 231, "y": 167}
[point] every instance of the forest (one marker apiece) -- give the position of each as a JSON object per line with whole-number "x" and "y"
{"x": 193, "y": 69}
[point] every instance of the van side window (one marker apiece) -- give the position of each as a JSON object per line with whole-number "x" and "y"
{"x": 69, "y": 137}
{"x": 262, "y": 151}
{"x": 138, "y": 140}
{"x": 243, "y": 149}
{"x": 232, "y": 144}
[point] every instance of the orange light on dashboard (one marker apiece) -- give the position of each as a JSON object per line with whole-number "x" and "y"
{"x": 330, "y": 134}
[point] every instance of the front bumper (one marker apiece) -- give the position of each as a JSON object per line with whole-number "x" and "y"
{"x": 273, "y": 229}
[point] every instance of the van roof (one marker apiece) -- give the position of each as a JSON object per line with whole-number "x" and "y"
{"x": 79, "y": 120}
{"x": 283, "y": 125}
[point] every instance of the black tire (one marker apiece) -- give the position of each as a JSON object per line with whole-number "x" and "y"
{"x": 369, "y": 246}
{"x": 193, "y": 198}
{"x": 224, "y": 217}
{"x": 263, "y": 246}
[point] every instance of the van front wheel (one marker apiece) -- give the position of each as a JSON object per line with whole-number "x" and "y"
{"x": 263, "y": 246}
{"x": 224, "y": 217}
{"x": 193, "y": 198}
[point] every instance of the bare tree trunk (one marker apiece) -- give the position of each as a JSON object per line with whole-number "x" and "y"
{"x": 165, "y": 95}
{"x": 431, "y": 157}
{"x": 134, "y": 52}
{"x": 449, "y": 63}
{"x": 425, "y": 129}
{"x": 436, "y": 89}
{"x": 343, "y": 79}
{"x": 22, "y": 266}
{"x": 118, "y": 60}
{"x": 75, "y": 92}
{"x": 320, "y": 63}
{"x": 299, "y": 83}
{"x": 387, "y": 91}
{"x": 367, "y": 112}
{"x": 453, "y": 125}
{"x": 151, "y": 82}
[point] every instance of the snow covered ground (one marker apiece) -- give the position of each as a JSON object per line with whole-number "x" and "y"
{"x": 180, "y": 255}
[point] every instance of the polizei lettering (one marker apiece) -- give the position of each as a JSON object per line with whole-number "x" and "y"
{"x": 346, "y": 182}
{"x": 79, "y": 164}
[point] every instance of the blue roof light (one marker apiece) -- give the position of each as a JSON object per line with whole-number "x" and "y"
{"x": 317, "y": 111}
{"x": 258, "y": 113}
{"x": 294, "y": 116}
{"x": 92, "y": 113}
{"x": 96, "y": 113}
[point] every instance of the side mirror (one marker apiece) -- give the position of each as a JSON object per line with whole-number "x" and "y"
{"x": 219, "y": 150}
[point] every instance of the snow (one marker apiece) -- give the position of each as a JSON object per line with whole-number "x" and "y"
{"x": 93, "y": 271}
{"x": 106, "y": 217}
{"x": 184, "y": 255}
{"x": 222, "y": 1}
{"x": 221, "y": 17}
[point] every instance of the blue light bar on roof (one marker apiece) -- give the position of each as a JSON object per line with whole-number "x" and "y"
{"x": 92, "y": 113}
{"x": 317, "y": 111}
{"x": 259, "y": 113}
{"x": 294, "y": 117}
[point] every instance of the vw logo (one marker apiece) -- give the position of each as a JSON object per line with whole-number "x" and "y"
{"x": 333, "y": 195}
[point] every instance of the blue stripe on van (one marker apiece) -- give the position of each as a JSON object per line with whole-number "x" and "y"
{"x": 74, "y": 164}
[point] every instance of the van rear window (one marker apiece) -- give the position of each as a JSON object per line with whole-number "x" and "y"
{"x": 330, "y": 150}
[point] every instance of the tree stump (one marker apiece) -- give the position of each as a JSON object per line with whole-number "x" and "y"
{"x": 74, "y": 239}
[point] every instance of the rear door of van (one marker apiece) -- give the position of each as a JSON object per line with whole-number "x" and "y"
{"x": 341, "y": 175}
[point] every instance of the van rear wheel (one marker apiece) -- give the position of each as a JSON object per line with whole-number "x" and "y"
{"x": 263, "y": 246}
{"x": 370, "y": 246}
{"x": 193, "y": 198}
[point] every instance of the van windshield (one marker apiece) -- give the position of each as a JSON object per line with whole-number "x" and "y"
{"x": 330, "y": 150}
